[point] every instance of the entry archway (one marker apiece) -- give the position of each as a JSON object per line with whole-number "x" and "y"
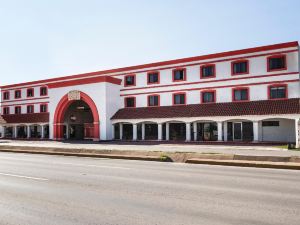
{"x": 62, "y": 107}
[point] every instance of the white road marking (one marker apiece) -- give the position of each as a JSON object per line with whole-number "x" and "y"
{"x": 25, "y": 177}
{"x": 91, "y": 165}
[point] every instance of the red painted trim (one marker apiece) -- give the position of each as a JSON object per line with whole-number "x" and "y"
{"x": 6, "y": 108}
{"x": 197, "y": 89}
{"x": 27, "y": 92}
{"x": 41, "y": 108}
{"x": 184, "y": 74}
{"x": 179, "y": 93}
{"x": 6, "y": 93}
{"x": 214, "y": 81}
{"x": 18, "y": 107}
{"x": 209, "y": 91}
{"x": 279, "y": 84}
{"x": 28, "y": 109}
{"x": 21, "y": 100}
{"x": 91, "y": 80}
{"x": 239, "y": 61}
{"x": 32, "y": 103}
{"x": 41, "y": 91}
{"x": 241, "y": 88}
{"x": 149, "y": 101}
{"x": 19, "y": 90}
{"x": 125, "y": 102}
{"x": 207, "y": 65}
{"x": 134, "y": 80}
{"x": 276, "y": 56}
{"x": 151, "y": 72}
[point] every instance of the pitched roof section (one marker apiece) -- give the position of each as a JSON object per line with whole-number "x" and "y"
{"x": 27, "y": 118}
{"x": 265, "y": 107}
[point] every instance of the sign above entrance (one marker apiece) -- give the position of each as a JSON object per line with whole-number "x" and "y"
{"x": 74, "y": 95}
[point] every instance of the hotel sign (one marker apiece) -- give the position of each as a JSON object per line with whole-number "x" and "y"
{"x": 74, "y": 95}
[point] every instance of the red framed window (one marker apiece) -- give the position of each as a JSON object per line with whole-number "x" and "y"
{"x": 18, "y": 94}
{"x": 6, "y": 95}
{"x": 43, "y": 91}
{"x": 153, "y": 77}
{"x": 5, "y": 110}
{"x": 276, "y": 62}
{"x": 18, "y": 110}
{"x": 153, "y": 100}
{"x": 179, "y": 98}
{"x": 179, "y": 74}
{"x": 240, "y": 94}
{"x": 30, "y": 109}
{"x": 240, "y": 67}
{"x": 30, "y": 92}
{"x": 208, "y": 96}
{"x": 129, "y": 80}
{"x": 208, "y": 71}
{"x": 43, "y": 108}
{"x": 129, "y": 102}
{"x": 278, "y": 91}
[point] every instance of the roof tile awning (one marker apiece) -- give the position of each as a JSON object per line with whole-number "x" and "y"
{"x": 265, "y": 107}
{"x": 27, "y": 118}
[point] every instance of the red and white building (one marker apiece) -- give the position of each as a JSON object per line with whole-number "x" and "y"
{"x": 245, "y": 95}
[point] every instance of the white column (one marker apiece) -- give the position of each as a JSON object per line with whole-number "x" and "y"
{"x": 159, "y": 131}
{"x": 297, "y": 133}
{"x": 113, "y": 132}
{"x": 188, "y": 132}
{"x": 167, "y": 131}
{"x": 195, "y": 130}
{"x": 42, "y": 131}
{"x": 121, "y": 131}
{"x": 2, "y": 131}
{"x": 15, "y": 130}
{"x": 143, "y": 131}
{"x": 134, "y": 132}
{"x": 28, "y": 131}
{"x": 225, "y": 131}
{"x": 220, "y": 131}
{"x": 255, "y": 131}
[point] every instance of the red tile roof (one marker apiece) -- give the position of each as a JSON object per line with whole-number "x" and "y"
{"x": 27, "y": 118}
{"x": 265, "y": 107}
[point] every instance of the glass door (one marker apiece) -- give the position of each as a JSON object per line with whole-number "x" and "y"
{"x": 237, "y": 131}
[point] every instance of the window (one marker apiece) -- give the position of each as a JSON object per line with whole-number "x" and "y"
{"x": 270, "y": 123}
{"x": 18, "y": 110}
{"x": 153, "y": 78}
{"x": 240, "y": 94}
{"x": 276, "y": 63}
{"x": 153, "y": 100}
{"x": 129, "y": 80}
{"x": 179, "y": 99}
{"x": 179, "y": 75}
{"x": 18, "y": 94}
{"x": 43, "y": 108}
{"x": 129, "y": 102}
{"x": 6, "y": 110}
{"x": 30, "y": 92}
{"x": 43, "y": 91}
{"x": 208, "y": 96}
{"x": 278, "y": 91}
{"x": 30, "y": 109}
{"x": 208, "y": 71}
{"x": 6, "y": 95}
{"x": 240, "y": 67}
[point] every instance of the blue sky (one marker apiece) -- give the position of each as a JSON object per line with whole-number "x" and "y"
{"x": 51, "y": 38}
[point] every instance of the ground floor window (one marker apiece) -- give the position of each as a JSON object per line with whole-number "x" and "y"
{"x": 240, "y": 131}
{"x": 177, "y": 131}
{"x": 207, "y": 131}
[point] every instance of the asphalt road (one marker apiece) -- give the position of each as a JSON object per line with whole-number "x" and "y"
{"x": 42, "y": 190}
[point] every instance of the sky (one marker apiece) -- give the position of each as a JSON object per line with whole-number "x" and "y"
{"x": 42, "y": 39}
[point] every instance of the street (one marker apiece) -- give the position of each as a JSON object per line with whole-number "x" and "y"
{"x": 41, "y": 190}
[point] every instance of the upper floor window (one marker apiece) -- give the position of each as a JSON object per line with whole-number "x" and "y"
{"x": 277, "y": 62}
{"x": 5, "y": 110}
{"x": 129, "y": 102}
{"x": 129, "y": 80}
{"x": 208, "y": 71}
{"x": 153, "y": 78}
{"x": 43, "y": 108}
{"x": 18, "y": 110}
{"x": 153, "y": 100}
{"x": 179, "y": 75}
{"x": 278, "y": 91}
{"x": 30, "y": 109}
{"x": 43, "y": 91}
{"x": 179, "y": 99}
{"x": 6, "y": 95}
{"x": 30, "y": 92}
{"x": 240, "y": 67}
{"x": 208, "y": 96}
{"x": 18, "y": 94}
{"x": 240, "y": 94}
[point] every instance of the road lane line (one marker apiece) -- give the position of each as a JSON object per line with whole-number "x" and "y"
{"x": 91, "y": 165}
{"x": 25, "y": 177}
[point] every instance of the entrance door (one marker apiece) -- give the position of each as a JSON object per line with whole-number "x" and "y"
{"x": 237, "y": 131}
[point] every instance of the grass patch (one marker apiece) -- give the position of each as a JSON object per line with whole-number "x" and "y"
{"x": 282, "y": 146}
{"x": 165, "y": 158}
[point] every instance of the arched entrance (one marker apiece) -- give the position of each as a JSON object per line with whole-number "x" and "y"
{"x": 76, "y": 117}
